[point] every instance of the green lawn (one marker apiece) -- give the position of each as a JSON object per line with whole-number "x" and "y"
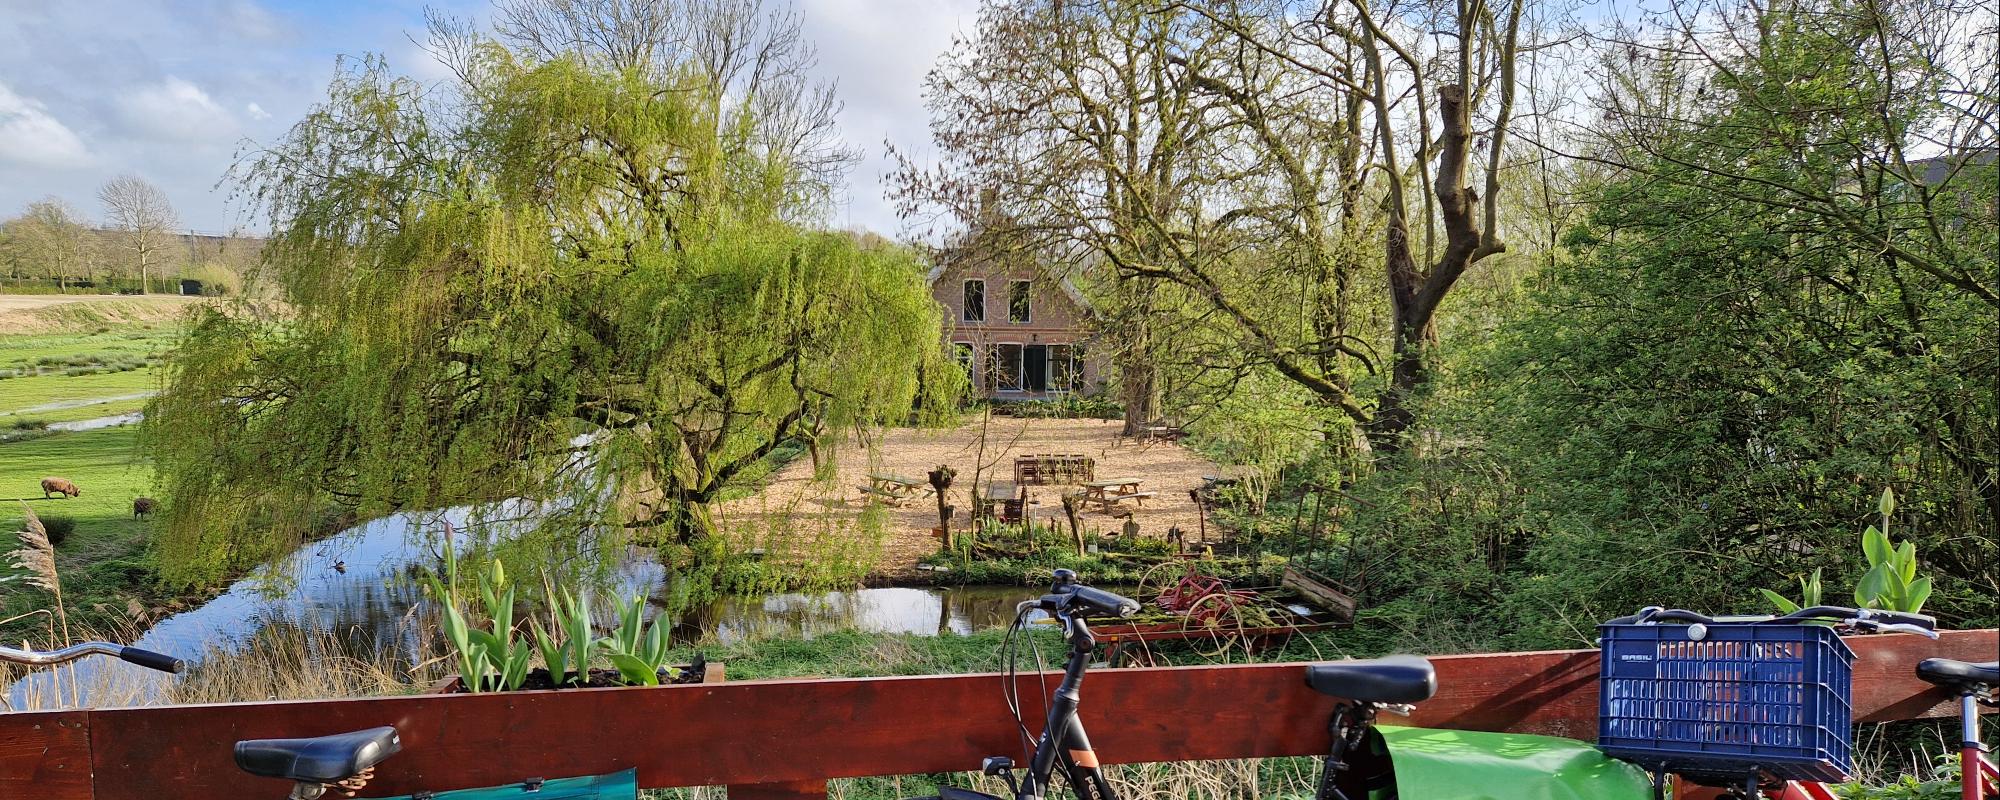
{"x": 102, "y": 559}
{"x": 17, "y": 394}
{"x": 53, "y": 352}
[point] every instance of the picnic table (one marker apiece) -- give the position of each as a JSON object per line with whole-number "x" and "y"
{"x": 1107, "y": 493}
{"x": 1044, "y": 468}
{"x": 895, "y": 489}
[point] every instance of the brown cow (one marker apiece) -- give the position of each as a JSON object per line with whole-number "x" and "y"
{"x": 61, "y": 486}
{"x": 143, "y": 506}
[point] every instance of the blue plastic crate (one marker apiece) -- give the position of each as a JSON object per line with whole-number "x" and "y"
{"x": 1739, "y": 699}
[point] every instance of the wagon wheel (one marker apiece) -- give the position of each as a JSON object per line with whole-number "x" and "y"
{"x": 1220, "y": 620}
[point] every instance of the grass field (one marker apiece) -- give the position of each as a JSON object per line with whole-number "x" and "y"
{"x": 34, "y": 395}
{"x": 103, "y": 558}
{"x": 79, "y": 360}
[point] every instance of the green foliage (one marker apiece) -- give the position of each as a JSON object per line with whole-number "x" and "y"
{"x": 1066, "y": 406}
{"x": 471, "y": 283}
{"x": 58, "y": 528}
{"x": 637, "y": 650}
{"x": 1810, "y": 594}
{"x": 1891, "y": 581}
{"x": 566, "y": 645}
{"x": 1943, "y": 784}
{"x": 481, "y": 653}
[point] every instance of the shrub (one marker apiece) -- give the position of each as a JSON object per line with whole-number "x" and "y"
{"x": 59, "y": 528}
{"x": 215, "y": 279}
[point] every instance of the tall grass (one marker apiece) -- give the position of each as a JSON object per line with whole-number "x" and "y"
{"x": 284, "y": 662}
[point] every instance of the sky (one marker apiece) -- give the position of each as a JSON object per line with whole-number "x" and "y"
{"x": 174, "y": 91}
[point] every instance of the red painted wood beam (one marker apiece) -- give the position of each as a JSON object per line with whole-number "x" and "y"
{"x": 787, "y": 736}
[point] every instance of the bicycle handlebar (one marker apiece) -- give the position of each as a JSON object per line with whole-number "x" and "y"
{"x": 1067, "y": 597}
{"x": 1871, "y": 619}
{"x": 130, "y": 655}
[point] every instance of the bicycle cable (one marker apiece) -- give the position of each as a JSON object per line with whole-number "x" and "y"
{"x": 1010, "y": 647}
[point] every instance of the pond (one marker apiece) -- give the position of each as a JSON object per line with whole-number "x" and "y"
{"x": 359, "y": 592}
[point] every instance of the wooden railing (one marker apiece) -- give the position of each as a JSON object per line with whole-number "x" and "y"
{"x": 781, "y": 740}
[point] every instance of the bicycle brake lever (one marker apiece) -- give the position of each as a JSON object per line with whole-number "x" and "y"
{"x": 1902, "y": 627}
{"x": 1398, "y": 709}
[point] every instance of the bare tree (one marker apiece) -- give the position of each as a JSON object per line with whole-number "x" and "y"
{"x": 1372, "y": 56}
{"x": 145, "y": 217}
{"x": 52, "y": 238}
{"x": 1238, "y": 164}
{"x": 753, "y": 55}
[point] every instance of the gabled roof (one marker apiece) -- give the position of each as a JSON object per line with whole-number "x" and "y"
{"x": 1069, "y": 289}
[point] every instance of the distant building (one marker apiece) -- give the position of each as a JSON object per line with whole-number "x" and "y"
{"x": 1019, "y": 334}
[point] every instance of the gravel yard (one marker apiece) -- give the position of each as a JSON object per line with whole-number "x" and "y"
{"x": 795, "y": 509}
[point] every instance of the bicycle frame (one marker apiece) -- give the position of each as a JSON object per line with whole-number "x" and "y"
{"x": 1977, "y": 776}
{"x": 1063, "y": 742}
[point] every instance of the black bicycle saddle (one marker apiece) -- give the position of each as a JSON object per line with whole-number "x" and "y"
{"x": 320, "y": 759}
{"x": 1959, "y": 674}
{"x": 1393, "y": 679}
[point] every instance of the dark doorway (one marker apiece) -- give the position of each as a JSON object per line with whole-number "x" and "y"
{"x": 1035, "y": 368}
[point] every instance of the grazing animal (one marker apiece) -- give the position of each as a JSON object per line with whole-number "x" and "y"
{"x": 61, "y": 486}
{"x": 143, "y": 506}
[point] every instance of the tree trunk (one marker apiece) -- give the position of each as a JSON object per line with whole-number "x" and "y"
{"x": 940, "y": 480}
{"x": 1069, "y": 502}
{"x": 1139, "y": 382}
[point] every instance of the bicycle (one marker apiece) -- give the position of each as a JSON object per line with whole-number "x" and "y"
{"x": 1365, "y": 688}
{"x": 1976, "y": 683}
{"x": 1756, "y": 705}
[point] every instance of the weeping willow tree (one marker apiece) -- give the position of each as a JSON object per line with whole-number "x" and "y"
{"x": 558, "y": 280}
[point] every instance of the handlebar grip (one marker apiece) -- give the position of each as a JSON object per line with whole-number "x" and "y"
{"x": 151, "y": 660}
{"x": 1925, "y": 621}
{"x": 1102, "y": 603}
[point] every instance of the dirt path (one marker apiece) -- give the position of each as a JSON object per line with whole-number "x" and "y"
{"x": 797, "y": 511}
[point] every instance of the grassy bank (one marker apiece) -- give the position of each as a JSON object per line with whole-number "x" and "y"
{"x": 65, "y": 359}
{"x": 102, "y": 552}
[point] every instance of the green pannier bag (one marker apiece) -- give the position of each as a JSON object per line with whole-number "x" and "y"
{"x": 1473, "y": 765}
{"x": 615, "y": 786}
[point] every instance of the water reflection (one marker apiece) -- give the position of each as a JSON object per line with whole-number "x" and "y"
{"x": 357, "y": 595}
{"x": 923, "y": 612}
{"x": 95, "y": 423}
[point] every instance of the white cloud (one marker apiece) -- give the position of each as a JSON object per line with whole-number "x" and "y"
{"x": 30, "y": 136}
{"x": 257, "y": 112}
{"x": 177, "y": 110}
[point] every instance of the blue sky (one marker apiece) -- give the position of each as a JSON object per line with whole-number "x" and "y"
{"x": 172, "y": 91}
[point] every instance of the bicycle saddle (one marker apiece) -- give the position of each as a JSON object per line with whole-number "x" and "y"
{"x": 320, "y": 759}
{"x": 1959, "y": 674}
{"x": 1393, "y": 679}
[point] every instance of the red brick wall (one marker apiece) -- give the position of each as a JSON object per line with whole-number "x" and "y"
{"x": 1054, "y": 319}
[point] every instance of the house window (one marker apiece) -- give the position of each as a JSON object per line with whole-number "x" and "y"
{"x": 1003, "y": 368}
{"x": 1066, "y": 367}
{"x": 962, "y": 352}
{"x": 1017, "y": 301}
{"x": 974, "y": 305}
